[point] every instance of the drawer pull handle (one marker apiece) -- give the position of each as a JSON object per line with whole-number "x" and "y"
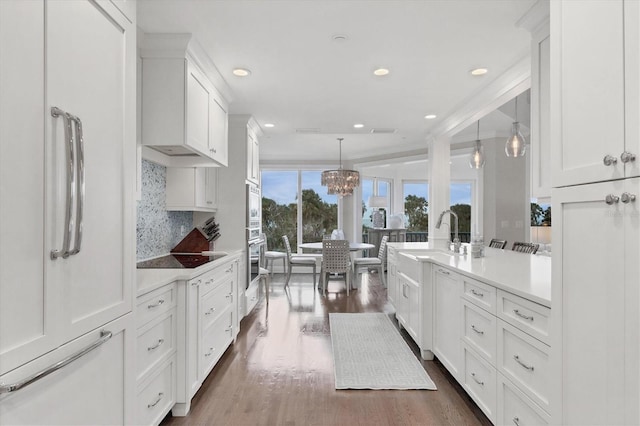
{"x": 210, "y": 311}
{"x": 528, "y": 367}
{"x": 481, "y": 383}
{"x": 155, "y": 305}
{"x": 442, "y": 271}
{"x": 156, "y": 346}
{"x": 196, "y": 282}
{"x": 516, "y": 421}
{"x": 207, "y": 282}
{"x": 228, "y": 271}
{"x": 527, "y": 317}
{"x": 229, "y": 329}
{"x": 477, "y": 293}
{"x": 473, "y": 327}
{"x": 153, "y": 404}
{"x": 210, "y": 352}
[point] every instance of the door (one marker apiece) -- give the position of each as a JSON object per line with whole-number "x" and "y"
{"x": 595, "y": 292}
{"x": 447, "y": 319}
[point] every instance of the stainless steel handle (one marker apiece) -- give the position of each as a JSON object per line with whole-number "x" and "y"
{"x": 196, "y": 282}
{"x": 476, "y": 379}
{"x": 210, "y": 311}
{"x": 611, "y": 199}
{"x": 516, "y": 421}
{"x": 155, "y": 305}
{"x": 210, "y": 352}
{"x": 627, "y": 157}
{"x": 70, "y": 184}
{"x": 477, "y": 293}
{"x": 79, "y": 182}
{"x": 627, "y": 198}
{"x": 207, "y": 282}
{"x": 528, "y": 367}
{"x": 473, "y": 327}
{"x": 229, "y": 329}
{"x": 609, "y": 160}
{"x": 153, "y": 404}
{"x": 523, "y": 316}
{"x": 104, "y": 336}
{"x": 156, "y": 346}
{"x": 230, "y": 296}
{"x": 229, "y": 270}
{"x": 442, "y": 271}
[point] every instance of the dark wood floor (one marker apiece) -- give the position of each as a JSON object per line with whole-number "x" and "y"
{"x": 280, "y": 370}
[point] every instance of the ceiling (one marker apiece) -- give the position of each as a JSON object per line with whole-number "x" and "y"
{"x": 301, "y": 78}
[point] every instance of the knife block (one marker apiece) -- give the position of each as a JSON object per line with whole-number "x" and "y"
{"x": 194, "y": 242}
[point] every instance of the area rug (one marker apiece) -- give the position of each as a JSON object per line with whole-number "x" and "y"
{"x": 369, "y": 353}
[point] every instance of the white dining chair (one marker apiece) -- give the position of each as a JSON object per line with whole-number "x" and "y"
{"x": 270, "y": 256}
{"x": 298, "y": 261}
{"x": 374, "y": 262}
{"x": 335, "y": 260}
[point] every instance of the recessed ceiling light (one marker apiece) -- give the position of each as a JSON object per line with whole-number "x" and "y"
{"x": 358, "y": 126}
{"x": 479, "y": 71}
{"x": 269, "y": 125}
{"x": 340, "y": 37}
{"x": 430, "y": 116}
{"x": 380, "y": 72}
{"x": 241, "y": 72}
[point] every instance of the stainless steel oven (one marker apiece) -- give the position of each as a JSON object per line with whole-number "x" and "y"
{"x": 255, "y": 259}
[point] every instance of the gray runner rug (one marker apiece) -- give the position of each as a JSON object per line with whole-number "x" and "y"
{"x": 369, "y": 353}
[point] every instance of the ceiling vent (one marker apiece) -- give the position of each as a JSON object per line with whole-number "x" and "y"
{"x": 310, "y": 130}
{"x": 383, "y": 131}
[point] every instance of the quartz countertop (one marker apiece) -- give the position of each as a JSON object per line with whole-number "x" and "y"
{"x": 149, "y": 279}
{"x": 522, "y": 274}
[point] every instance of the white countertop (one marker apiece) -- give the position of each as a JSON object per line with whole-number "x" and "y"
{"x": 149, "y": 279}
{"x": 522, "y": 274}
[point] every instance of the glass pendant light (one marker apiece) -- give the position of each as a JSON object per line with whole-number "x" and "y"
{"x": 516, "y": 145}
{"x": 476, "y": 159}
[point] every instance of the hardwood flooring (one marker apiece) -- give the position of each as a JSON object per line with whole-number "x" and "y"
{"x": 280, "y": 370}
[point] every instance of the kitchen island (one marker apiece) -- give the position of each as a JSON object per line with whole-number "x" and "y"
{"x": 485, "y": 319}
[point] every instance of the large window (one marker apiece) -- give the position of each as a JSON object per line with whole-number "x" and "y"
{"x": 416, "y": 206}
{"x": 374, "y": 187}
{"x": 296, "y": 205}
{"x": 460, "y": 197}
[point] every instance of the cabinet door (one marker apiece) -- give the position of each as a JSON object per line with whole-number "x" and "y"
{"x": 632, "y": 84}
{"x": 219, "y": 132}
{"x": 91, "y": 57}
{"x": 392, "y": 284}
{"x": 589, "y": 299}
{"x": 447, "y": 319}
{"x": 402, "y": 301}
{"x": 588, "y": 99}
{"x": 253, "y": 158}
{"x": 199, "y": 100}
{"x": 414, "y": 324}
{"x": 211, "y": 188}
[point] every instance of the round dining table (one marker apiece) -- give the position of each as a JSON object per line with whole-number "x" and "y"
{"x": 352, "y": 246}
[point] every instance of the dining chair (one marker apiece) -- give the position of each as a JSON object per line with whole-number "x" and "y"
{"x": 271, "y": 256}
{"x": 335, "y": 260}
{"x": 298, "y": 261}
{"x": 525, "y": 247}
{"x": 499, "y": 244}
{"x": 374, "y": 262}
{"x": 263, "y": 273}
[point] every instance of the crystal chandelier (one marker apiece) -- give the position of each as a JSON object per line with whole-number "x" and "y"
{"x": 340, "y": 182}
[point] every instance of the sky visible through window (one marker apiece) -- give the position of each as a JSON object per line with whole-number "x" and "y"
{"x": 282, "y": 185}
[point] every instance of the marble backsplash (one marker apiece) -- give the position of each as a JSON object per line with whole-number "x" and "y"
{"x": 157, "y": 230}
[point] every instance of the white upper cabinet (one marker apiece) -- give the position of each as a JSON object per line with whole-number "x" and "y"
{"x": 192, "y": 189}
{"x": 253, "y": 157}
{"x": 594, "y": 86}
{"x": 184, "y": 116}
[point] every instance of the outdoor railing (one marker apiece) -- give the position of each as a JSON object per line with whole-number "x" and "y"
{"x": 423, "y": 237}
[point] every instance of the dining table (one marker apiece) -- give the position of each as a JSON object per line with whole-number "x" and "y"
{"x": 352, "y": 246}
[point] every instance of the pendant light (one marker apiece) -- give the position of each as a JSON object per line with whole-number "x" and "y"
{"x": 476, "y": 159}
{"x": 340, "y": 182}
{"x": 516, "y": 145}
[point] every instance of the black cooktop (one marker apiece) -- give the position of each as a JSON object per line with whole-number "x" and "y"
{"x": 178, "y": 261}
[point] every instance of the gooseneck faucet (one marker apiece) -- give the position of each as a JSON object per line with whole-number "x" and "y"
{"x": 456, "y": 240}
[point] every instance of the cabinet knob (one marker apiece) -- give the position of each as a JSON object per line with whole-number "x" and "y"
{"x": 609, "y": 160}
{"x": 627, "y": 198}
{"x": 627, "y": 157}
{"x": 611, "y": 199}
{"x": 213, "y": 150}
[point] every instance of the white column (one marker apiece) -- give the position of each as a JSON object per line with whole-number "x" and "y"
{"x": 439, "y": 189}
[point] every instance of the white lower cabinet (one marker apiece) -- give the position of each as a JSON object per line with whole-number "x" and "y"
{"x": 447, "y": 322}
{"x": 479, "y": 380}
{"x": 515, "y": 408}
{"x": 157, "y": 394}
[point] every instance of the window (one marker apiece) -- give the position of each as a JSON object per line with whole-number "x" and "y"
{"x": 374, "y": 187}
{"x": 319, "y": 210}
{"x": 460, "y": 200}
{"x": 416, "y": 206}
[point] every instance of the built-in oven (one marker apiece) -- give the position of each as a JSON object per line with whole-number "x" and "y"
{"x": 255, "y": 259}
{"x": 254, "y": 211}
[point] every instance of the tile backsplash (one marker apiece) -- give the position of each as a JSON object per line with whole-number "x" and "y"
{"x": 157, "y": 230}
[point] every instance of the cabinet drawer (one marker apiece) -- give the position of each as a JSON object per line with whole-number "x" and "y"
{"x": 525, "y": 361}
{"x": 155, "y": 303}
{"x": 251, "y": 298}
{"x": 479, "y": 331}
{"x": 156, "y": 396}
{"x": 479, "y": 381}
{"x": 155, "y": 341}
{"x": 214, "y": 302}
{"x": 525, "y": 315}
{"x": 216, "y": 277}
{"x": 480, "y": 294}
{"x": 514, "y": 407}
{"x": 215, "y": 341}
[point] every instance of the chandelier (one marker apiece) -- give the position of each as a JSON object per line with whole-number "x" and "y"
{"x": 340, "y": 182}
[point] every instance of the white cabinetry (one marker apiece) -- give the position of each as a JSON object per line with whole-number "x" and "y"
{"x": 595, "y": 47}
{"x": 52, "y": 307}
{"x": 156, "y": 360}
{"x": 184, "y": 117}
{"x": 447, "y": 322}
{"x": 253, "y": 157}
{"x": 207, "y": 311}
{"x": 392, "y": 277}
{"x": 192, "y": 189}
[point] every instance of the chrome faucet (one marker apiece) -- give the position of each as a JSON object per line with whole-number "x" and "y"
{"x": 456, "y": 240}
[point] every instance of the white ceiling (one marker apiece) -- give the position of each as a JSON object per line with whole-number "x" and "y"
{"x": 302, "y": 78}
